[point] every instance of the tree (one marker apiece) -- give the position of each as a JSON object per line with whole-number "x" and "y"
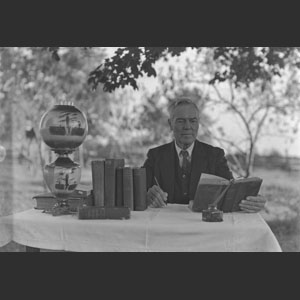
{"x": 36, "y": 82}
{"x": 42, "y": 80}
{"x": 6, "y": 134}
{"x": 241, "y": 65}
{"x": 254, "y": 103}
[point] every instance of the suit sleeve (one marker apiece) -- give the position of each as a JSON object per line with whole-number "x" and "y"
{"x": 149, "y": 166}
{"x": 222, "y": 168}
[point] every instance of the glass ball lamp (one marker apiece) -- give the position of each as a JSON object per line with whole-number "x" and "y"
{"x": 63, "y": 128}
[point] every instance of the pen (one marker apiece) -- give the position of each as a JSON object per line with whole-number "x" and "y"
{"x": 159, "y": 187}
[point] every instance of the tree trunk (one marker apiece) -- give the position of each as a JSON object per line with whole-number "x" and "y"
{"x": 6, "y": 167}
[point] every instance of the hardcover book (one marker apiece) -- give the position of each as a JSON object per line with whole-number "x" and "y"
{"x": 128, "y": 188}
{"x": 222, "y": 193}
{"x": 98, "y": 181}
{"x": 139, "y": 189}
{"x": 82, "y": 195}
{"x": 46, "y": 201}
{"x": 110, "y": 167}
{"x": 98, "y": 212}
{"x": 119, "y": 187}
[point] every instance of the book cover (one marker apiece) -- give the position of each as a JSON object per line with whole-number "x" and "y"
{"x": 128, "y": 188}
{"x": 98, "y": 212}
{"x": 81, "y": 190}
{"x": 82, "y": 195}
{"x": 98, "y": 167}
{"x": 119, "y": 187}
{"x": 46, "y": 202}
{"x": 110, "y": 166}
{"x": 227, "y": 193}
{"x": 139, "y": 189}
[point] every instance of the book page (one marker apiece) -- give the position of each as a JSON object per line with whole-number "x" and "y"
{"x": 249, "y": 179}
{"x": 212, "y": 179}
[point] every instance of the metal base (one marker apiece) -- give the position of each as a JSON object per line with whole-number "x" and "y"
{"x": 62, "y": 207}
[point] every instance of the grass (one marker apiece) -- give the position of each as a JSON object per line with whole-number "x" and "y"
{"x": 281, "y": 189}
{"x": 282, "y": 211}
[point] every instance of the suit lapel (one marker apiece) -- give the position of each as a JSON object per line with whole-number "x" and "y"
{"x": 199, "y": 165}
{"x": 167, "y": 168}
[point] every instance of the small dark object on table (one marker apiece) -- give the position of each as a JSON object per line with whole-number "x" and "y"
{"x": 212, "y": 214}
{"x": 61, "y": 208}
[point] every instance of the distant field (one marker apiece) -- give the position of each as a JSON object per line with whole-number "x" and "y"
{"x": 282, "y": 190}
{"x": 282, "y": 212}
{"x": 278, "y": 177}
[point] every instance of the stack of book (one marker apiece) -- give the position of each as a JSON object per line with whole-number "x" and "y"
{"x": 116, "y": 185}
{"x": 117, "y": 190}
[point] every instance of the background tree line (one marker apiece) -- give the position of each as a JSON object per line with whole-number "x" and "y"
{"x": 259, "y": 85}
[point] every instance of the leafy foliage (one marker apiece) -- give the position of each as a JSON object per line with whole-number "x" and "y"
{"x": 127, "y": 65}
{"x": 242, "y": 65}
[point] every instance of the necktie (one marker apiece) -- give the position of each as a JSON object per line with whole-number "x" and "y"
{"x": 185, "y": 161}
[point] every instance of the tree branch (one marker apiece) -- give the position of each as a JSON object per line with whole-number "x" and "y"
{"x": 234, "y": 108}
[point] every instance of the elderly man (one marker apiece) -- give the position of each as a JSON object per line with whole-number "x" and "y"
{"x": 174, "y": 169}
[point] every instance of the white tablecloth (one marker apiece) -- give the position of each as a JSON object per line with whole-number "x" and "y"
{"x": 5, "y": 231}
{"x": 172, "y": 228}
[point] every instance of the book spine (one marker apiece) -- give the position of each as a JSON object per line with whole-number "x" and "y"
{"x": 128, "y": 188}
{"x": 116, "y": 213}
{"x": 110, "y": 180}
{"x": 119, "y": 187}
{"x": 91, "y": 212}
{"x": 98, "y": 175}
{"x": 139, "y": 189}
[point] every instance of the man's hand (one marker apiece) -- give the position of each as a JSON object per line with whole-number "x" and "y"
{"x": 156, "y": 197}
{"x": 253, "y": 204}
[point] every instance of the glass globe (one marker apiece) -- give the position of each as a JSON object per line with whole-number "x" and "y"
{"x": 63, "y": 127}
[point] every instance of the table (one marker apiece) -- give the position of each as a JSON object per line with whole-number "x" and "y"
{"x": 5, "y": 232}
{"x": 174, "y": 228}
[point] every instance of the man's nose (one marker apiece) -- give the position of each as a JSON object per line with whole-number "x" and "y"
{"x": 187, "y": 124}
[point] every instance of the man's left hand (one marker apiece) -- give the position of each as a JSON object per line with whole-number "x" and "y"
{"x": 253, "y": 204}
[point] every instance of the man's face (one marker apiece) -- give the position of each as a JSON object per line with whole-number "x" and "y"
{"x": 185, "y": 125}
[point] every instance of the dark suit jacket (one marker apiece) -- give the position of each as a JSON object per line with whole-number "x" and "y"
{"x": 160, "y": 163}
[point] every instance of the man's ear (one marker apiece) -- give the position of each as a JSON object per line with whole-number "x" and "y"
{"x": 170, "y": 124}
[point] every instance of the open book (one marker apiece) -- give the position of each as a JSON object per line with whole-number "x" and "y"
{"x": 224, "y": 194}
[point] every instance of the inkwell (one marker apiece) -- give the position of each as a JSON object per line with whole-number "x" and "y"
{"x": 213, "y": 214}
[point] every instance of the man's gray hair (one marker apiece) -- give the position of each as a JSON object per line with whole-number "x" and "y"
{"x": 179, "y": 102}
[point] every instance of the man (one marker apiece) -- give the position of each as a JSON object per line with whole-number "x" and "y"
{"x": 174, "y": 169}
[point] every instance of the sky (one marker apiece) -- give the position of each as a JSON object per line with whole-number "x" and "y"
{"x": 230, "y": 124}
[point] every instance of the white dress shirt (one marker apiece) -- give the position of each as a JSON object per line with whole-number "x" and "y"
{"x": 189, "y": 150}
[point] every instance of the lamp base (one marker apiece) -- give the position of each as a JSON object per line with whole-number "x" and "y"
{"x": 62, "y": 207}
